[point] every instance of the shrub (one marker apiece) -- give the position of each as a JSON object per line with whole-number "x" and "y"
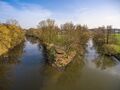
{"x": 10, "y": 36}
{"x": 111, "y": 49}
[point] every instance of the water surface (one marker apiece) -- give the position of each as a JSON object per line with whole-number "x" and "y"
{"x": 25, "y": 68}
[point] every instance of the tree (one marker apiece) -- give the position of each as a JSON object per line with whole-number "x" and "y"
{"x": 68, "y": 26}
{"x": 109, "y": 28}
{"x": 12, "y": 22}
{"x": 46, "y": 24}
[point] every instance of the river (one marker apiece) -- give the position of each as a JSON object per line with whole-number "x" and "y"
{"x": 25, "y": 68}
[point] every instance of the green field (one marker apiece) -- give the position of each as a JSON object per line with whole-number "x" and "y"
{"x": 118, "y": 37}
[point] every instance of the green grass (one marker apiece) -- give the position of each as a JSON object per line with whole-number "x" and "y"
{"x": 118, "y": 38}
{"x": 117, "y": 35}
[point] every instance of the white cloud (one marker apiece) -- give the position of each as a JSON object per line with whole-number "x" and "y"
{"x": 95, "y": 17}
{"x": 28, "y": 15}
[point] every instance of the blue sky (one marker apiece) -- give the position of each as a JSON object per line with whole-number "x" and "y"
{"x": 91, "y": 12}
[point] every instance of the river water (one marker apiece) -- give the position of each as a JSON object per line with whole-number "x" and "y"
{"x": 25, "y": 68}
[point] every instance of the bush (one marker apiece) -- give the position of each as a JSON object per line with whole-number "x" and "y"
{"x": 10, "y": 36}
{"x": 111, "y": 49}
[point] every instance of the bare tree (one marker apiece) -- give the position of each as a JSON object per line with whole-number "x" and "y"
{"x": 68, "y": 26}
{"x": 12, "y": 22}
{"x": 109, "y": 28}
{"x": 46, "y": 24}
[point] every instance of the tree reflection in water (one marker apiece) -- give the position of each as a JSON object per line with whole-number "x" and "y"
{"x": 104, "y": 62}
{"x": 6, "y": 61}
{"x": 13, "y": 56}
{"x": 62, "y": 80}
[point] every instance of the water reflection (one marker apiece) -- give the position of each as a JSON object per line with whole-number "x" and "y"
{"x": 65, "y": 80}
{"x": 32, "y": 40}
{"x": 13, "y": 56}
{"x": 104, "y": 62}
{"x": 6, "y": 64}
{"x": 94, "y": 60}
{"x": 21, "y": 67}
{"x": 4, "y": 80}
{"x": 24, "y": 68}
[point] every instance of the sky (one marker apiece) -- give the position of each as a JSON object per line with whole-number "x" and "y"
{"x": 94, "y": 13}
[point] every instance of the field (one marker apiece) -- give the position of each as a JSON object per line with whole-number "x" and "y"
{"x": 118, "y": 38}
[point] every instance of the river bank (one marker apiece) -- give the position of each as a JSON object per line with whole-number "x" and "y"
{"x": 10, "y": 36}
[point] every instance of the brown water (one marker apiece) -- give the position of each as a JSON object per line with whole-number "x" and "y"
{"x": 24, "y": 68}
